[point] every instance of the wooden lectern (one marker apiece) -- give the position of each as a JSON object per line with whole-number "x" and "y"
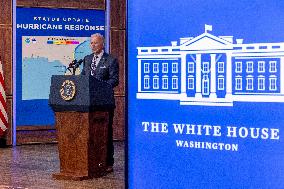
{"x": 81, "y": 105}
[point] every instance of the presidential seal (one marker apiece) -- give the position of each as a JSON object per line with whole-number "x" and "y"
{"x": 68, "y": 90}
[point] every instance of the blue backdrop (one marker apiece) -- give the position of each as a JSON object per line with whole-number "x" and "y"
{"x": 155, "y": 158}
{"x": 32, "y": 22}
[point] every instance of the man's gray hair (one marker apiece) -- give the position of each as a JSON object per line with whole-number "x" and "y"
{"x": 98, "y": 35}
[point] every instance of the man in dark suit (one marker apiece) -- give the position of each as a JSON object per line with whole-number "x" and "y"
{"x": 103, "y": 67}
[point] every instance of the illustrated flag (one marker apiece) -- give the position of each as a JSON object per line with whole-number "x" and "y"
{"x": 3, "y": 105}
{"x": 208, "y": 28}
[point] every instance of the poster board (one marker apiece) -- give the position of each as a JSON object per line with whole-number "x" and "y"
{"x": 47, "y": 41}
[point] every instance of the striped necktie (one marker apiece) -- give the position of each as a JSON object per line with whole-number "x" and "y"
{"x": 94, "y": 65}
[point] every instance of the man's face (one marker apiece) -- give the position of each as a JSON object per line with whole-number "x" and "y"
{"x": 97, "y": 44}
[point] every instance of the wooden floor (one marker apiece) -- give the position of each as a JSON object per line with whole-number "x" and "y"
{"x": 32, "y": 166}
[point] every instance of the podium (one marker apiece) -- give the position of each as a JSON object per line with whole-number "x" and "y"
{"x": 81, "y": 105}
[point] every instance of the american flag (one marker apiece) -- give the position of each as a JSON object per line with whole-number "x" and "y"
{"x": 3, "y": 105}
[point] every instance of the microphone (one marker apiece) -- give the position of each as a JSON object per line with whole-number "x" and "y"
{"x": 74, "y": 65}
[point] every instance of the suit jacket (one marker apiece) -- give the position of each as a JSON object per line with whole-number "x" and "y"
{"x": 107, "y": 69}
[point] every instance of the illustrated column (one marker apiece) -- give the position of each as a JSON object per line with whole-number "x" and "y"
{"x": 213, "y": 76}
{"x": 229, "y": 82}
{"x": 183, "y": 75}
{"x": 198, "y": 76}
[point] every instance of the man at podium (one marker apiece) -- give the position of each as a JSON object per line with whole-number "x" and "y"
{"x": 104, "y": 67}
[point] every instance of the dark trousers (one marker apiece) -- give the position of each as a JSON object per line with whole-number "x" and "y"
{"x": 110, "y": 148}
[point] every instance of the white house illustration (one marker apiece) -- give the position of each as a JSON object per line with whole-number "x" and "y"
{"x": 212, "y": 71}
